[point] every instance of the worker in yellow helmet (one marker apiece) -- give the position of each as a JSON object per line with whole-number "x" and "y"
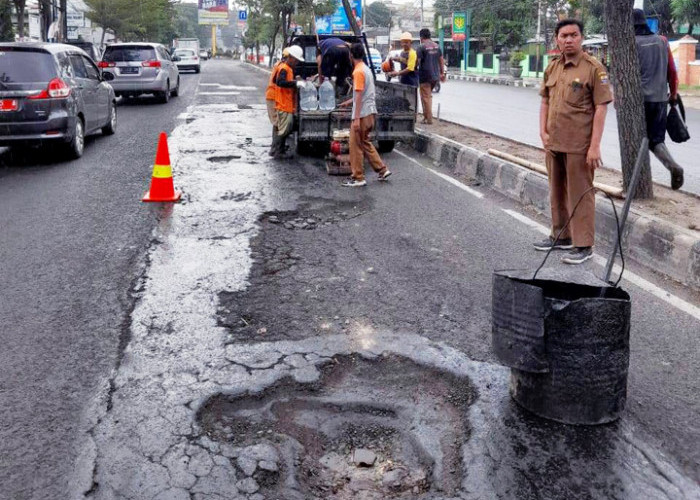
{"x": 408, "y": 60}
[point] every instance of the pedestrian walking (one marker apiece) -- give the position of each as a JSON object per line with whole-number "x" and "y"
{"x": 333, "y": 59}
{"x": 270, "y": 100}
{"x": 431, "y": 71}
{"x": 408, "y": 75}
{"x": 659, "y": 78}
{"x": 286, "y": 98}
{"x": 364, "y": 111}
{"x": 575, "y": 96}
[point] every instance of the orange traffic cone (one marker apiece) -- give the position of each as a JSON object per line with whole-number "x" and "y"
{"x": 162, "y": 188}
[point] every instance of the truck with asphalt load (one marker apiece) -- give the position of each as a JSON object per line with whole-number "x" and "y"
{"x": 396, "y": 105}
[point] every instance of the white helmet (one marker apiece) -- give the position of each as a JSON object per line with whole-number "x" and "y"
{"x": 296, "y": 52}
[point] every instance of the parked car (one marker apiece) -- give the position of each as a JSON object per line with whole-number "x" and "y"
{"x": 90, "y": 48}
{"x": 134, "y": 69}
{"x": 187, "y": 59}
{"x": 52, "y": 93}
{"x": 376, "y": 58}
{"x": 203, "y": 55}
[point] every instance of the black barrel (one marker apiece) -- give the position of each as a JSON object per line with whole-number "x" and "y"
{"x": 565, "y": 337}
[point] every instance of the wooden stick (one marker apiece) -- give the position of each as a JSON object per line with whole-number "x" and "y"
{"x": 612, "y": 191}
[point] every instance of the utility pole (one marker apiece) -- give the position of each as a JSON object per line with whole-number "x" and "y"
{"x": 539, "y": 37}
{"x": 64, "y": 20}
{"x": 421, "y": 14}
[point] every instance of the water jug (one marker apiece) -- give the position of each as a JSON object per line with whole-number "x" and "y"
{"x": 308, "y": 98}
{"x": 326, "y": 96}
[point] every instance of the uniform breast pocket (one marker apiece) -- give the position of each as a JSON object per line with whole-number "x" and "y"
{"x": 576, "y": 94}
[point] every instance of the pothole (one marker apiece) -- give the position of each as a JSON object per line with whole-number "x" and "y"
{"x": 231, "y": 196}
{"x": 223, "y": 159}
{"x": 295, "y": 220}
{"x": 373, "y": 429}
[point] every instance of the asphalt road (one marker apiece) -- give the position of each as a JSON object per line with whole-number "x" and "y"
{"x": 513, "y": 112}
{"x": 237, "y": 288}
{"x": 74, "y": 236}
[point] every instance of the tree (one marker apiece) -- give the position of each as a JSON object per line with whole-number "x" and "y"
{"x": 7, "y": 34}
{"x": 19, "y": 8}
{"x": 686, "y": 11}
{"x": 107, "y": 14}
{"x": 629, "y": 100}
{"x": 377, "y": 14}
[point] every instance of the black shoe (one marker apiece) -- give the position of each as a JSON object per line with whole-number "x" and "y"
{"x": 578, "y": 255}
{"x": 545, "y": 245}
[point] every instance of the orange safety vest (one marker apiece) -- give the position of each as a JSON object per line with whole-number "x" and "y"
{"x": 286, "y": 98}
{"x": 271, "y": 92}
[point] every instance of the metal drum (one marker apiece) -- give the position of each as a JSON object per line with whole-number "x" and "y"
{"x": 565, "y": 336}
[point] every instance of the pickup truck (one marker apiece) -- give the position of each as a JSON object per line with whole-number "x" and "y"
{"x": 396, "y": 105}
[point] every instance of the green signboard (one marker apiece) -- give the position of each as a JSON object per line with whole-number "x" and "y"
{"x": 459, "y": 26}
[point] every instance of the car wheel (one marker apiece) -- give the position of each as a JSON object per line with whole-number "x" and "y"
{"x": 111, "y": 126}
{"x": 76, "y": 146}
{"x": 176, "y": 90}
{"x": 197, "y": 69}
{"x": 165, "y": 96}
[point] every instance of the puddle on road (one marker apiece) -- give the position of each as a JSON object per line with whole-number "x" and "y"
{"x": 223, "y": 159}
{"x": 409, "y": 420}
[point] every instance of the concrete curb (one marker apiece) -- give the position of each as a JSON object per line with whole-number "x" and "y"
{"x": 496, "y": 80}
{"x": 651, "y": 242}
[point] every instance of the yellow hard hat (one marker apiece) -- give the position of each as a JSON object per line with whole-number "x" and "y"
{"x": 406, "y": 36}
{"x": 285, "y": 52}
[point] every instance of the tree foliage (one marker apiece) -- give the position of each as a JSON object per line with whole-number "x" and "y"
{"x": 7, "y": 34}
{"x": 504, "y": 22}
{"x": 377, "y": 14}
{"x": 686, "y": 11}
{"x": 135, "y": 20}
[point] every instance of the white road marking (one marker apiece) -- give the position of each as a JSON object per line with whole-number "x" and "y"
{"x": 228, "y": 87}
{"x": 219, "y": 93}
{"x": 635, "y": 279}
{"x": 449, "y": 179}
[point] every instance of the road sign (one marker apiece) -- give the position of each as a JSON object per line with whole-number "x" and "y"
{"x": 338, "y": 23}
{"x": 242, "y": 15}
{"x": 459, "y": 26}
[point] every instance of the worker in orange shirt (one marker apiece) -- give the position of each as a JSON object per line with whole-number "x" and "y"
{"x": 270, "y": 99}
{"x": 286, "y": 97}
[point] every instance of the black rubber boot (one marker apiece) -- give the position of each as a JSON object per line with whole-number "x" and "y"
{"x": 664, "y": 156}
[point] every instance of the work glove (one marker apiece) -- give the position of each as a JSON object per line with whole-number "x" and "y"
{"x": 301, "y": 84}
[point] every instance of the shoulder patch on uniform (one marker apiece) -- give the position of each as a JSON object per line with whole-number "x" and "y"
{"x": 603, "y": 77}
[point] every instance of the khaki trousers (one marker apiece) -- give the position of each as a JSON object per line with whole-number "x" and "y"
{"x": 569, "y": 179}
{"x": 426, "y": 99}
{"x": 361, "y": 147}
{"x": 272, "y": 112}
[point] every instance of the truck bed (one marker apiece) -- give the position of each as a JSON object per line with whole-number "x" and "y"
{"x": 396, "y": 118}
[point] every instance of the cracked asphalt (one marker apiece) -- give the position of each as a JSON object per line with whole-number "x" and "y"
{"x": 278, "y": 324}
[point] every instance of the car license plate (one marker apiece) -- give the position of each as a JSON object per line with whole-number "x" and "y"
{"x": 129, "y": 70}
{"x": 9, "y": 105}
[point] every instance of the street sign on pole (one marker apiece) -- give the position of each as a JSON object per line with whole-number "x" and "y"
{"x": 242, "y": 15}
{"x": 459, "y": 26}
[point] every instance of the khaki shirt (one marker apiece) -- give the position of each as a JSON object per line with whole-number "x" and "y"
{"x": 573, "y": 90}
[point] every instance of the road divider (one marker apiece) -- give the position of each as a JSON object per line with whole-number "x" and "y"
{"x": 653, "y": 243}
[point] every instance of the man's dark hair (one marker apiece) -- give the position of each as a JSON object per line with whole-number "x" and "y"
{"x": 357, "y": 51}
{"x": 425, "y": 34}
{"x": 568, "y": 22}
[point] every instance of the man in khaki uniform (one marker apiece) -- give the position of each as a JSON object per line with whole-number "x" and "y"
{"x": 575, "y": 95}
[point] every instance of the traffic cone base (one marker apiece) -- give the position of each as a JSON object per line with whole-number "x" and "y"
{"x": 162, "y": 188}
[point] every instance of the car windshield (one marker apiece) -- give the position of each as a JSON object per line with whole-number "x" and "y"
{"x": 184, "y": 53}
{"x": 129, "y": 53}
{"x": 23, "y": 66}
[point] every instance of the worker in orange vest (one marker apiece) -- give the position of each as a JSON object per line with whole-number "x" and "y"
{"x": 270, "y": 99}
{"x": 287, "y": 97}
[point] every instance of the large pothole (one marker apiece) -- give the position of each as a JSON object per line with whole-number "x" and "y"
{"x": 370, "y": 429}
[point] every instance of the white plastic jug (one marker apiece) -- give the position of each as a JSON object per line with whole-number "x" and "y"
{"x": 308, "y": 97}
{"x": 326, "y": 96}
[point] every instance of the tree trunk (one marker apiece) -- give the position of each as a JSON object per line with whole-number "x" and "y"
{"x": 629, "y": 100}
{"x": 19, "y": 7}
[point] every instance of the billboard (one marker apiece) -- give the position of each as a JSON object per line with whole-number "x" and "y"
{"x": 338, "y": 23}
{"x": 459, "y": 26}
{"x": 213, "y": 12}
